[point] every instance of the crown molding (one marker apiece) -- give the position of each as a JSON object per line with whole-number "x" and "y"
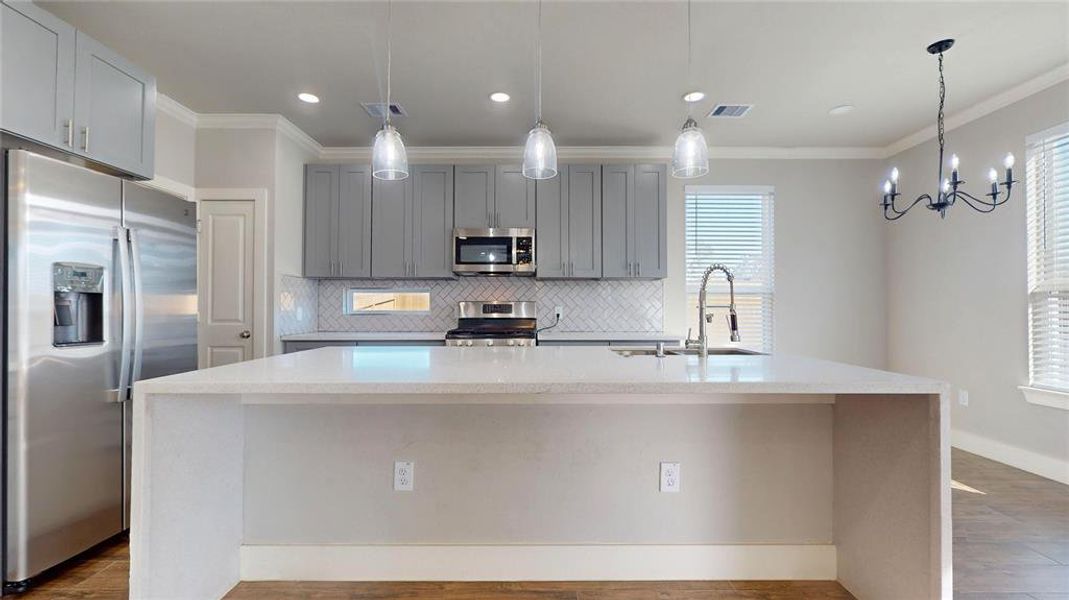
{"x": 172, "y": 108}
{"x": 285, "y": 127}
{"x": 982, "y": 109}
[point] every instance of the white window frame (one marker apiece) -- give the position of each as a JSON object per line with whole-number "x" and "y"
{"x": 768, "y": 254}
{"x": 1036, "y": 392}
{"x": 349, "y": 310}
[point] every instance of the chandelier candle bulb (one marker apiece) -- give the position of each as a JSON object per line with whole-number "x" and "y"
{"x": 1008, "y": 162}
{"x": 954, "y": 163}
{"x": 992, "y": 176}
{"x": 886, "y": 187}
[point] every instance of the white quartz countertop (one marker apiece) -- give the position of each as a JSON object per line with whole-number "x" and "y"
{"x": 531, "y": 371}
{"x": 549, "y": 336}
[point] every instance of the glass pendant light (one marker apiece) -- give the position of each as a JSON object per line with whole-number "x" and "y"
{"x": 389, "y": 161}
{"x": 540, "y": 152}
{"x": 690, "y": 157}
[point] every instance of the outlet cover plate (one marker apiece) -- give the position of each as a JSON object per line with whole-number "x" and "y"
{"x": 404, "y": 476}
{"x": 670, "y": 477}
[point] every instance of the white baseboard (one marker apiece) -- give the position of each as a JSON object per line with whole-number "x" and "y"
{"x": 536, "y": 563}
{"x": 1026, "y": 460}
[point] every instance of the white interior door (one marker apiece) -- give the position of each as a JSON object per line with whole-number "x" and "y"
{"x": 225, "y": 257}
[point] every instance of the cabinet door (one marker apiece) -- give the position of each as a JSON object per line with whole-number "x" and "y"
{"x": 36, "y": 74}
{"x": 550, "y": 240}
{"x": 320, "y": 218}
{"x": 115, "y": 109}
{"x": 354, "y": 221}
{"x": 514, "y": 198}
{"x": 474, "y": 200}
{"x": 432, "y": 212}
{"x": 618, "y": 190}
{"x": 584, "y": 221}
{"x": 650, "y": 219}
{"x": 391, "y": 206}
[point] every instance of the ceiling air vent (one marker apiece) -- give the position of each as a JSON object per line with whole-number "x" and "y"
{"x": 377, "y": 110}
{"x": 730, "y": 111}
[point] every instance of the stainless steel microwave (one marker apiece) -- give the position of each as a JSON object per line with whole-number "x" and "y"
{"x": 498, "y": 251}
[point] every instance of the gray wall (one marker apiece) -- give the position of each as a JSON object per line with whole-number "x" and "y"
{"x": 957, "y": 288}
{"x": 829, "y": 255}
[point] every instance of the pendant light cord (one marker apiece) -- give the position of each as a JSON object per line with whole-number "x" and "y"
{"x": 690, "y": 51}
{"x": 389, "y": 59}
{"x": 538, "y": 45}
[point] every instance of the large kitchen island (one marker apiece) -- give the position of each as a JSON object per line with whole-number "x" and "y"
{"x": 539, "y": 464}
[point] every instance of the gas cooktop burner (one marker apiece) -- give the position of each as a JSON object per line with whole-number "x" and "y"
{"x": 494, "y": 324}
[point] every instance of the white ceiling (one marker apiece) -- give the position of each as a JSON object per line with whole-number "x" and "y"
{"x": 614, "y": 71}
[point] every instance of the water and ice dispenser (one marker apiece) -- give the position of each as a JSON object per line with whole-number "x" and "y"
{"x": 78, "y": 309}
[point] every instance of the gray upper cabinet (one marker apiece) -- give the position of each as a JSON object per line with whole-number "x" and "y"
{"x": 115, "y": 109}
{"x": 337, "y": 221}
{"x": 320, "y": 219}
{"x": 493, "y": 196}
{"x": 353, "y": 237}
{"x": 634, "y": 213}
{"x": 432, "y": 214}
{"x": 514, "y": 198}
{"x": 37, "y": 65}
{"x": 64, "y": 89}
{"x": 474, "y": 186}
{"x": 569, "y": 223}
{"x": 412, "y": 225}
{"x": 391, "y": 235}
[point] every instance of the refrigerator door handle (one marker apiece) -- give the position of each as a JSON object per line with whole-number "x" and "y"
{"x": 139, "y": 306}
{"x": 121, "y": 394}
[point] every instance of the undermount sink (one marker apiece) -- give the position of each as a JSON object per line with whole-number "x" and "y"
{"x": 680, "y": 351}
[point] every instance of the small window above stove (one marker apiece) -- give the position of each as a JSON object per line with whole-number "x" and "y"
{"x": 370, "y": 301}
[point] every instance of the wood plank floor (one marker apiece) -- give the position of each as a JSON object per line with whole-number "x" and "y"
{"x": 1011, "y": 542}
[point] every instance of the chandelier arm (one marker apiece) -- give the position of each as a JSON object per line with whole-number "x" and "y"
{"x": 901, "y": 213}
{"x": 983, "y": 207}
{"x": 963, "y": 195}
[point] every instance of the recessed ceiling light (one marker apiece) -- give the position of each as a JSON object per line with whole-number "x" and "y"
{"x": 500, "y": 97}
{"x": 309, "y": 98}
{"x": 694, "y": 96}
{"x": 842, "y": 109}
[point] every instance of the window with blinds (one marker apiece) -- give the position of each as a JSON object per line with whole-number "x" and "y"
{"x": 1047, "y": 190}
{"x": 733, "y": 226}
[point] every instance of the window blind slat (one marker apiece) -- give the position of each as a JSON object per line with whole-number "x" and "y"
{"x": 1047, "y": 194}
{"x": 736, "y": 230}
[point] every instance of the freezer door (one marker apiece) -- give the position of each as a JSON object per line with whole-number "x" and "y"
{"x": 63, "y": 434}
{"x": 163, "y": 244}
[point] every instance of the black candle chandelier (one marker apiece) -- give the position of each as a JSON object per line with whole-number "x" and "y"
{"x": 949, "y": 189}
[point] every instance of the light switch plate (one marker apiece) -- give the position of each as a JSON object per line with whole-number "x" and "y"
{"x": 404, "y": 476}
{"x": 670, "y": 477}
{"x": 963, "y": 397}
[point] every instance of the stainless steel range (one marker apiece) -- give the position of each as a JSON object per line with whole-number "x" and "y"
{"x": 494, "y": 324}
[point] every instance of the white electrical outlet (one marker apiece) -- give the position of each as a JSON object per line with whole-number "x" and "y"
{"x": 963, "y": 397}
{"x": 559, "y": 312}
{"x": 669, "y": 477}
{"x": 404, "y": 476}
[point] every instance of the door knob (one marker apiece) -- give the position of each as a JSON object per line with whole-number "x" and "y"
{"x": 245, "y": 334}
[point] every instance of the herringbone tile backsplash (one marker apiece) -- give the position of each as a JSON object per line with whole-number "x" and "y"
{"x": 609, "y": 306}
{"x": 298, "y": 305}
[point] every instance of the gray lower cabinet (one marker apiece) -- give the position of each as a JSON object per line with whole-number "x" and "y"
{"x": 37, "y": 69}
{"x": 64, "y": 89}
{"x": 412, "y": 225}
{"x": 493, "y": 196}
{"x": 569, "y": 224}
{"x": 337, "y": 221}
{"x": 288, "y": 347}
{"x": 634, "y": 214}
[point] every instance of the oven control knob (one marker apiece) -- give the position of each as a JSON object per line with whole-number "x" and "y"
{"x": 468, "y": 342}
{"x": 489, "y": 342}
{"x": 512, "y": 342}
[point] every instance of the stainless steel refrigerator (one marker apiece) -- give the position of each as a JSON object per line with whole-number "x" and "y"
{"x": 101, "y": 291}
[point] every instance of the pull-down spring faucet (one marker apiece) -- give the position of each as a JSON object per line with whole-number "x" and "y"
{"x": 702, "y": 343}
